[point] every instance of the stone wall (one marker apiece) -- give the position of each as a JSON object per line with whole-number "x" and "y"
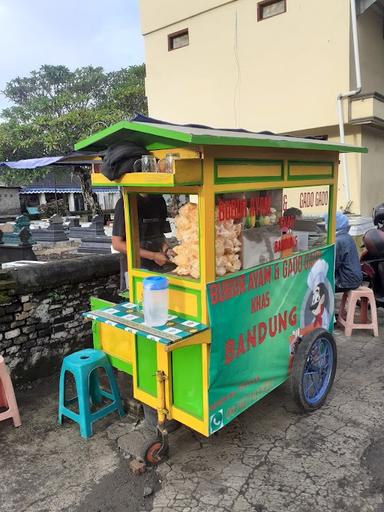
{"x": 41, "y": 310}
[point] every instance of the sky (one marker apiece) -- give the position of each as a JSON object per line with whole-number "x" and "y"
{"x": 73, "y": 33}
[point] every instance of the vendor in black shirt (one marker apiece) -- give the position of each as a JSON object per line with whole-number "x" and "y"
{"x": 152, "y": 215}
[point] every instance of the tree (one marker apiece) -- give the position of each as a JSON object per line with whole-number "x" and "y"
{"x": 54, "y": 108}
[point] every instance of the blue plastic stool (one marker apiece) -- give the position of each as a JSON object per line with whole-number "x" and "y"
{"x": 83, "y": 366}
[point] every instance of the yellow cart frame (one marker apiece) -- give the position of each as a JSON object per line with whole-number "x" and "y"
{"x": 175, "y": 380}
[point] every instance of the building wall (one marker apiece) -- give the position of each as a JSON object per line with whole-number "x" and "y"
{"x": 9, "y": 201}
{"x": 371, "y": 40}
{"x": 353, "y": 136}
{"x": 162, "y": 13}
{"x": 108, "y": 200}
{"x": 365, "y": 171}
{"x": 282, "y": 74}
{"x": 372, "y": 185}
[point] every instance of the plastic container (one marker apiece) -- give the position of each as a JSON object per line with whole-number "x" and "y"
{"x": 155, "y": 300}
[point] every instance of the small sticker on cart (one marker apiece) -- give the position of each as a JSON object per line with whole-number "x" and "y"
{"x": 113, "y": 324}
{"x": 154, "y": 338}
{"x": 216, "y": 421}
{"x": 128, "y": 305}
{"x": 129, "y": 317}
{"x": 189, "y": 323}
{"x": 111, "y": 311}
{"x": 131, "y": 330}
{"x": 172, "y": 330}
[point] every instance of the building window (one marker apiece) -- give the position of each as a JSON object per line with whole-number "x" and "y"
{"x": 178, "y": 39}
{"x": 269, "y": 8}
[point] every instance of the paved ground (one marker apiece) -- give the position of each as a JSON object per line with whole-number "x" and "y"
{"x": 44, "y": 467}
{"x": 270, "y": 459}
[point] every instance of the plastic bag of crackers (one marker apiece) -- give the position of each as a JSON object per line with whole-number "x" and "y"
{"x": 228, "y": 244}
{"x": 187, "y": 232}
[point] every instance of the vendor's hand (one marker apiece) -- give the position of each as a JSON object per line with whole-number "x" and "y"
{"x": 170, "y": 253}
{"x": 160, "y": 258}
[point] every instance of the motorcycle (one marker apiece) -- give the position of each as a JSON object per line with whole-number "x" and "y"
{"x": 372, "y": 258}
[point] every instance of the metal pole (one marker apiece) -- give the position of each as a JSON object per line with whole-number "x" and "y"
{"x": 54, "y": 179}
{"x": 342, "y": 96}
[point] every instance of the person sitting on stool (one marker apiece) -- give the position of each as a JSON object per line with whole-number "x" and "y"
{"x": 348, "y": 275}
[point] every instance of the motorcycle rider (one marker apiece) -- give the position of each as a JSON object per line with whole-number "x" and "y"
{"x": 372, "y": 258}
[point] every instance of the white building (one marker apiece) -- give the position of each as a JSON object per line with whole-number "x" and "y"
{"x": 276, "y": 65}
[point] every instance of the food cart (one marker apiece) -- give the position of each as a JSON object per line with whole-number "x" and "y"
{"x": 251, "y": 288}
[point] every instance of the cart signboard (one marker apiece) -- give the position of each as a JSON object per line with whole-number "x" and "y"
{"x": 252, "y": 342}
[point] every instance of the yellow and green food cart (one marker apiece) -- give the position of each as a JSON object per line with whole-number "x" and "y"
{"x": 251, "y": 291}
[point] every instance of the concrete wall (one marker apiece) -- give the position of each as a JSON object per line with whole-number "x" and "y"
{"x": 41, "y": 310}
{"x": 162, "y": 13}
{"x": 9, "y": 201}
{"x": 365, "y": 171}
{"x": 371, "y": 29}
{"x": 282, "y": 74}
{"x": 353, "y": 136}
{"x": 372, "y": 184}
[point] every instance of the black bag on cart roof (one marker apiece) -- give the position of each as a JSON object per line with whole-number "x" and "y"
{"x": 119, "y": 159}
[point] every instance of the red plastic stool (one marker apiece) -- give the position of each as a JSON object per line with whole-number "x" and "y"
{"x": 7, "y": 396}
{"x": 347, "y": 309}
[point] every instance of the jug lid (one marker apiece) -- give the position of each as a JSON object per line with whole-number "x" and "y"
{"x": 155, "y": 283}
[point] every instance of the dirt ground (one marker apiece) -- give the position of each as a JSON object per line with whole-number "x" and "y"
{"x": 269, "y": 459}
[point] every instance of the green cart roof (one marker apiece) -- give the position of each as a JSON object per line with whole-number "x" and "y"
{"x": 164, "y": 136}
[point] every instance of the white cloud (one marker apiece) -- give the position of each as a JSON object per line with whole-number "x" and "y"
{"x": 74, "y": 33}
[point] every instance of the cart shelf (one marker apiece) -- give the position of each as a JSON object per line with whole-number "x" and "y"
{"x": 188, "y": 171}
{"x": 176, "y": 333}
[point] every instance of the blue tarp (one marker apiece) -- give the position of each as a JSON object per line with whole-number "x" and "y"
{"x": 32, "y": 163}
{"x": 48, "y": 183}
{"x": 75, "y": 158}
{"x": 62, "y": 190}
{"x": 59, "y": 190}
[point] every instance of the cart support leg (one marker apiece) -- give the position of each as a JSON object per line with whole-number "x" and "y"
{"x": 157, "y": 450}
{"x": 162, "y": 412}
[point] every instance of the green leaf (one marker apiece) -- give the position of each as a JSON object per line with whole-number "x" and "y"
{"x": 54, "y": 107}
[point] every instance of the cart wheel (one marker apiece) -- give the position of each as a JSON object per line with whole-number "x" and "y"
{"x": 156, "y": 453}
{"x": 314, "y": 369}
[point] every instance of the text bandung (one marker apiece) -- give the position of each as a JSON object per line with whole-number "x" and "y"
{"x": 258, "y": 333}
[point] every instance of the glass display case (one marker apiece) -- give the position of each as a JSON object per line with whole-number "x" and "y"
{"x": 168, "y": 233}
{"x": 308, "y": 207}
{"x": 257, "y": 227}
